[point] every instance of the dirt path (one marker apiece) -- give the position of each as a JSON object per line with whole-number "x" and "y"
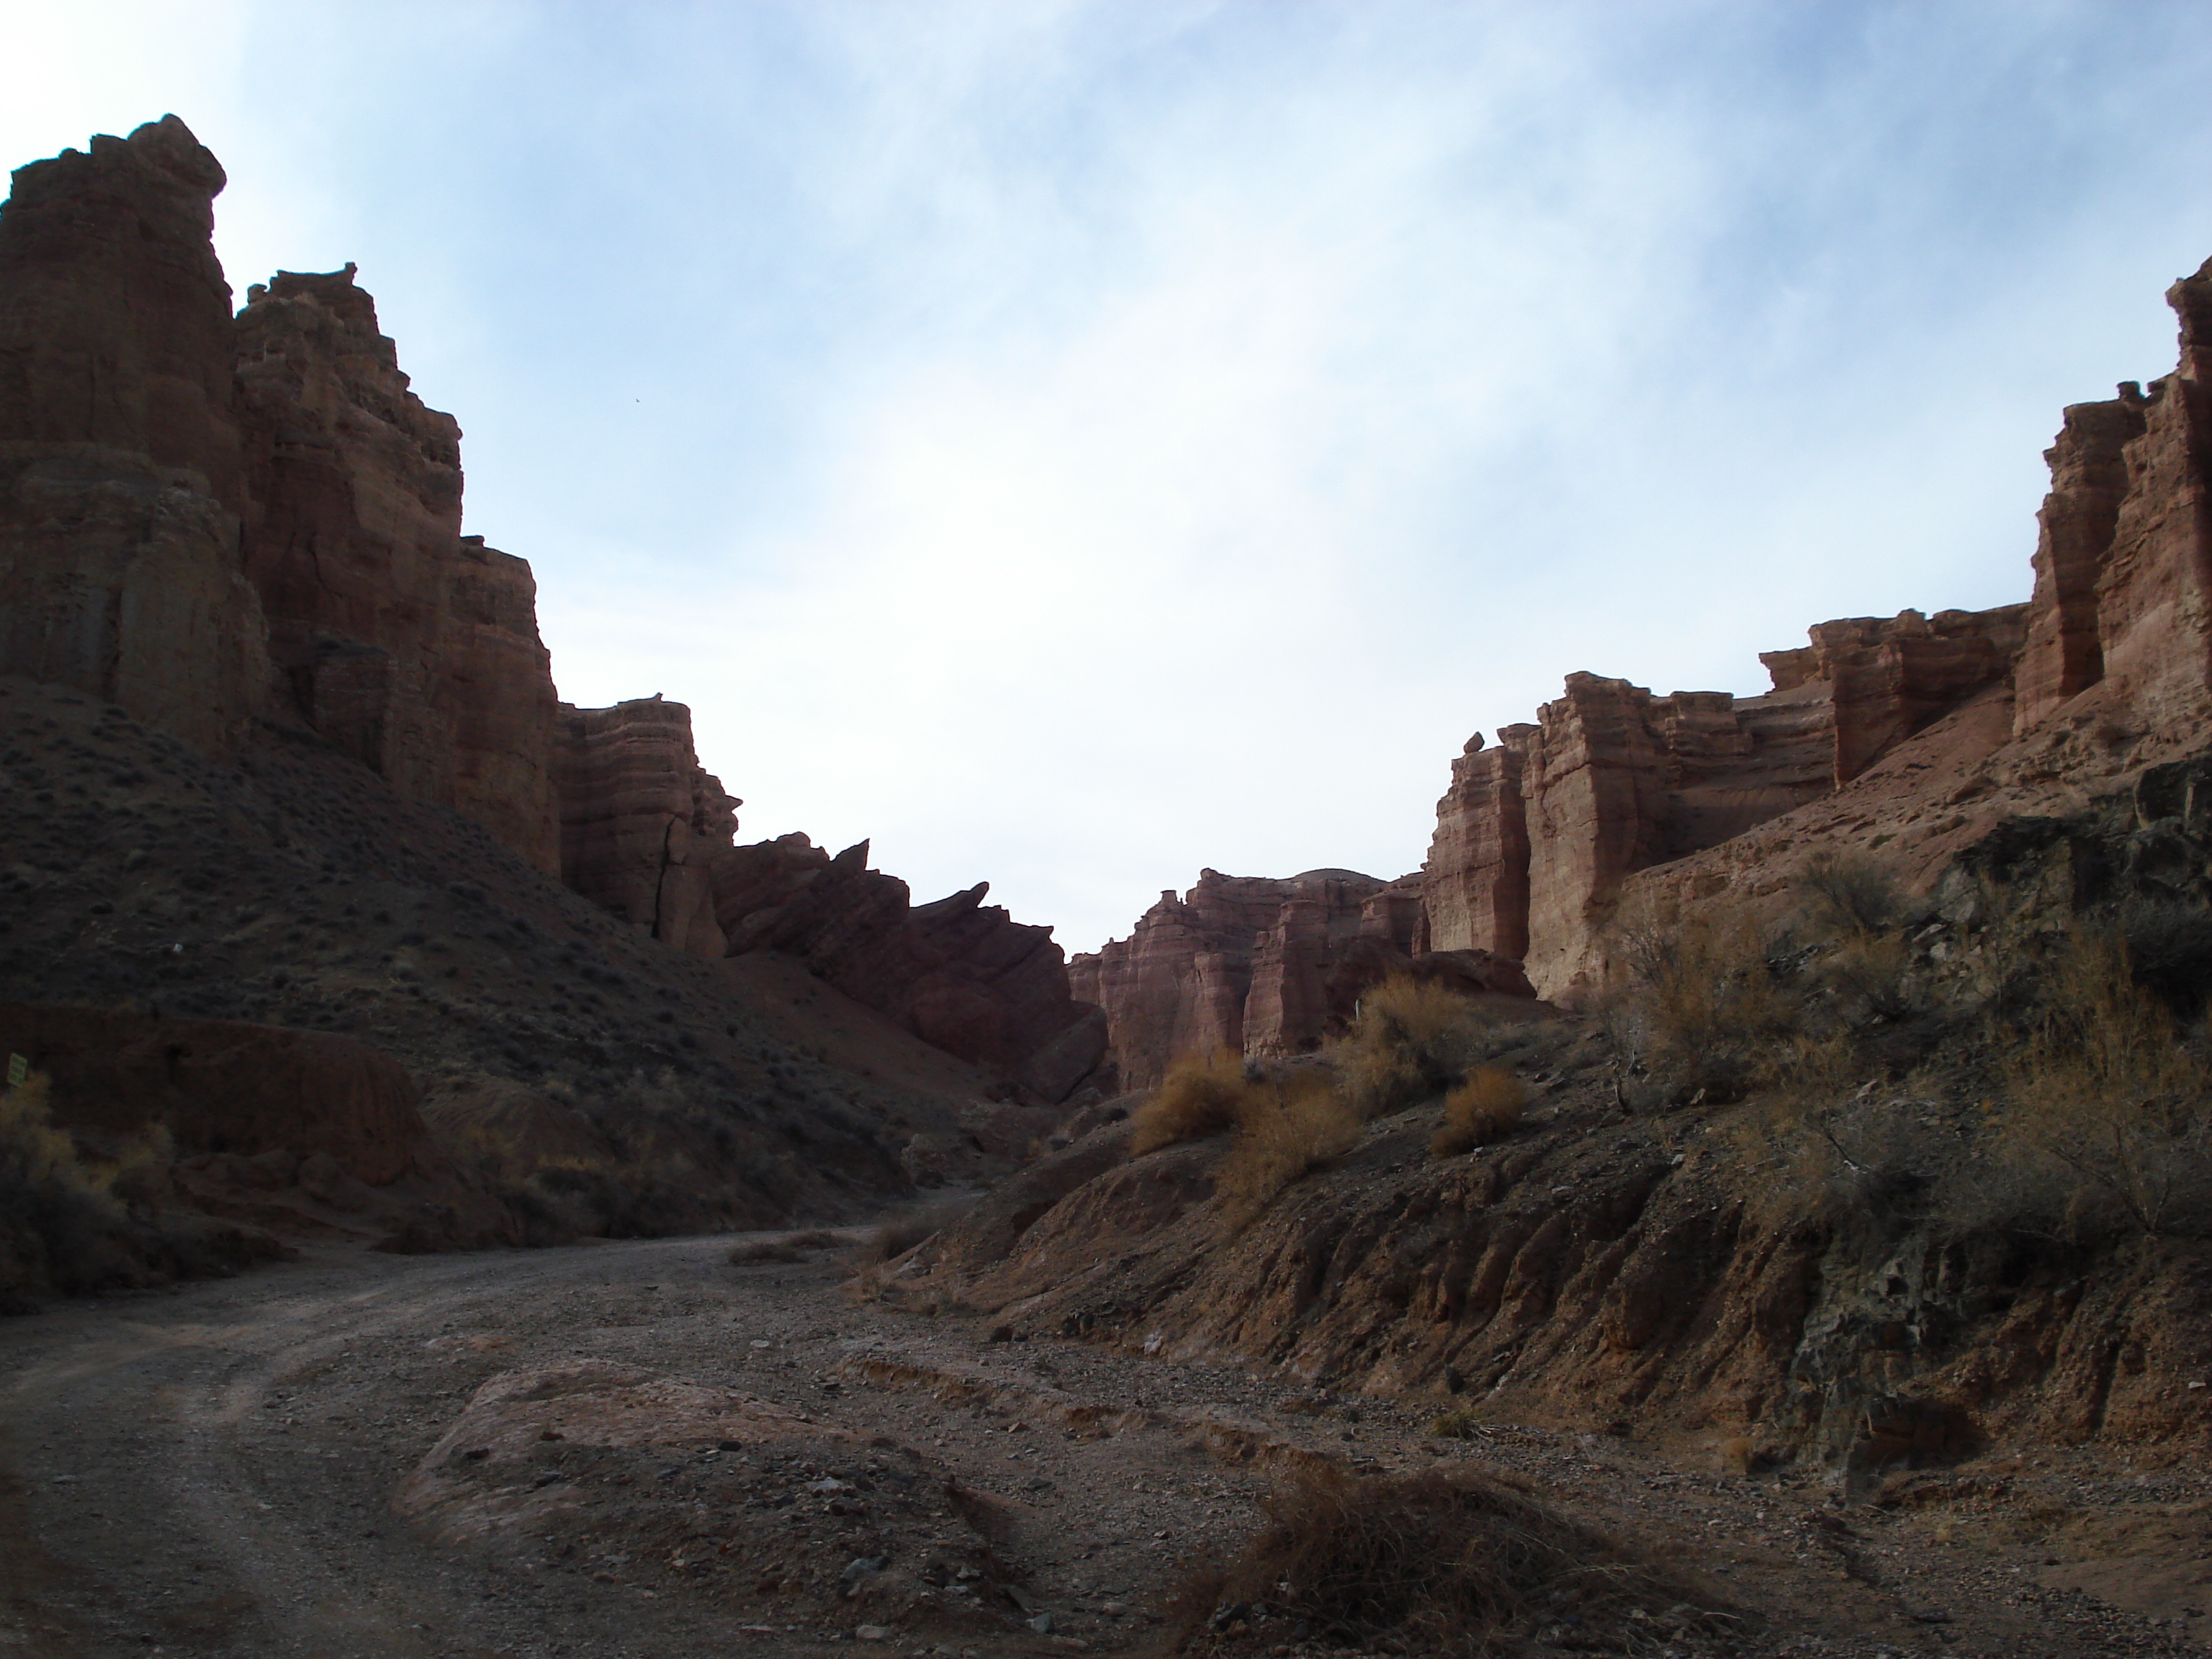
{"x": 218, "y": 1470}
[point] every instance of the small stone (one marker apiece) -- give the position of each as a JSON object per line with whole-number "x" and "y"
{"x": 1041, "y": 1624}
{"x": 873, "y": 1633}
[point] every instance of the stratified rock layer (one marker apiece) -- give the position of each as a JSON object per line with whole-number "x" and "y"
{"x": 119, "y": 483}
{"x": 412, "y": 648}
{"x": 1262, "y": 966}
{"x": 641, "y": 821}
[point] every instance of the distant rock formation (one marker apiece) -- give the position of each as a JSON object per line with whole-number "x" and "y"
{"x": 1263, "y": 966}
{"x": 1534, "y": 839}
{"x": 648, "y": 833}
{"x": 211, "y": 520}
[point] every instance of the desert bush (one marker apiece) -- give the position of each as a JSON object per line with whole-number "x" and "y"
{"x": 73, "y": 1225}
{"x": 1479, "y": 1110}
{"x": 1700, "y": 1006}
{"x": 1201, "y": 1095}
{"x": 1848, "y": 893}
{"x": 1410, "y": 1040}
{"x": 1287, "y": 1125}
{"x": 2104, "y": 1102}
{"x": 1287, "y": 1119}
{"x": 1446, "y": 1564}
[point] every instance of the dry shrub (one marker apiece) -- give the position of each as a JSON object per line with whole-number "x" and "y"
{"x": 1446, "y": 1564}
{"x": 1202, "y": 1095}
{"x": 72, "y": 1225}
{"x": 1872, "y": 976}
{"x": 1481, "y": 1108}
{"x": 1849, "y": 893}
{"x": 1410, "y": 1040}
{"x": 1286, "y": 1126}
{"x": 1696, "y": 1003}
{"x": 2104, "y": 1102}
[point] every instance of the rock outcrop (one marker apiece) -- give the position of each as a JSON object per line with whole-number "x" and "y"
{"x": 1262, "y": 966}
{"x": 961, "y": 975}
{"x": 1532, "y": 847}
{"x": 647, "y": 832}
{"x": 643, "y": 824}
{"x": 411, "y": 647}
{"x": 119, "y": 474}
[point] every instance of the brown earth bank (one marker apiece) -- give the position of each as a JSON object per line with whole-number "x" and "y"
{"x": 641, "y": 1449}
{"x": 162, "y": 911}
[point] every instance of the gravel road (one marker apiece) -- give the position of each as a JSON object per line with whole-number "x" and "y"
{"x": 290, "y": 1463}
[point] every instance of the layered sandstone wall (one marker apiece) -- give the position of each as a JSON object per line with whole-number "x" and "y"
{"x": 641, "y": 821}
{"x": 119, "y": 477}
{"x": 412, "y": 648}
{"x": 1262, "y": 966}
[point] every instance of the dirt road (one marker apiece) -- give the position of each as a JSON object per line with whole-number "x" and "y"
{"x": 289, "y": 1464}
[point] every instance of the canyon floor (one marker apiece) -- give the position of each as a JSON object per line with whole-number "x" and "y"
{"x": 642, "y": 1451}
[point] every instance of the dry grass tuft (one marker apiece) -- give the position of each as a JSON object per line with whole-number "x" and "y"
{"x": 1480, "y": 1109}
{"x": 1448, "y": 1564}
{"x": 1202, "y": 1095}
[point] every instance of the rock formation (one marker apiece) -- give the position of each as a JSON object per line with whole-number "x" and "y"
{"x": 413, "y": 648}
{"x": 1261, "y": 966}
{"x": 959, "y": 974}
{"x": 648, "y": 833}
{"x": 641, "y": 821}
{"x": 1534, "y": 839}
{"x": 208, "y": 519}
{"x": 119, "y": 480}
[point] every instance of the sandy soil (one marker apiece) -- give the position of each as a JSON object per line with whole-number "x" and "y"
{"x": 638, "y": 1450}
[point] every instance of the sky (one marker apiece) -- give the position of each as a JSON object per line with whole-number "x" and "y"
{"x": 1077, "y": 443}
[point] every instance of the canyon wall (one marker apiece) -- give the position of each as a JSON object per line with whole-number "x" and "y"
{"x": 119, "y": 472}
{"x": 409, "y": 646}
{"x": 1264, "y": 967}
{"x": 216, "y": 520}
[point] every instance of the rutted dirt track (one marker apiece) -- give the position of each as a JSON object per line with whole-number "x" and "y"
{"x": 224, "y": 1469}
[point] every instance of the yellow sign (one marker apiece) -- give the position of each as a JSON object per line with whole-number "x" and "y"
{"x": 18, "y": 1069}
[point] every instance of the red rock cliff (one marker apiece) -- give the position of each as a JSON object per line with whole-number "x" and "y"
{"x": 1262, "y": 966}
{"x": 411, "y": 647}
{"x": 119, "y": 477}
{"x": 642, "y": 824}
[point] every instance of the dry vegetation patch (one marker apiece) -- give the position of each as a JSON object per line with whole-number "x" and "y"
{"x": 1487, "y": 1104}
